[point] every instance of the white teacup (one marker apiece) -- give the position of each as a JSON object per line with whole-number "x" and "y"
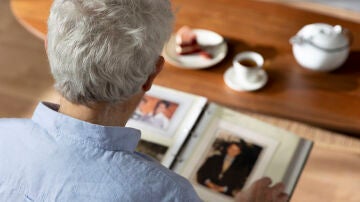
{"x": 248, "y": 66}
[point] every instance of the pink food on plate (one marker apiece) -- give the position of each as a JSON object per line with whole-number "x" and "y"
{"x": 186, "y": 43}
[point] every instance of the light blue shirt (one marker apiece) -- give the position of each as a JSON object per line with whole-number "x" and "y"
{"x": 54, "y": 157}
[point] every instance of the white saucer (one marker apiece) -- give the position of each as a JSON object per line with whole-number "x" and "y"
{"x": 210, "y": 41}
{"x": 242, "y": 85}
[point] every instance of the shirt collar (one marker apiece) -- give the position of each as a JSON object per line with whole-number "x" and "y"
{"x": 104, "y": 137}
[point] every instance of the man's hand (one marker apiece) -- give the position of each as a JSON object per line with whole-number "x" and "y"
{"x": 261, "y": 191}
{"x": 214, "y": 186}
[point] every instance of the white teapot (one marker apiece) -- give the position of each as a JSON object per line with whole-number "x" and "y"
{"x": 321, "y": 47}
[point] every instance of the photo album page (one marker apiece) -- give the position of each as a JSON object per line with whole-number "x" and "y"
{"x": 228, "y": 151}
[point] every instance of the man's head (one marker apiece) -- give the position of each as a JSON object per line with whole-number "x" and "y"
{"x": 233, "y": 149}
{"x": 161, "y": 106}
{"x": 106, "y": 50}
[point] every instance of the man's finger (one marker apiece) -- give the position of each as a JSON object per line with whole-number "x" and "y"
{"x": 262, "y": 183}
{"x": 283, "y": 197}
{"x": 277, "y": 189}
{"x": 260, "y": 186}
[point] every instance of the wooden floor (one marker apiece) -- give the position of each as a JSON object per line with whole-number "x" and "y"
{"x": 332, "y": 173}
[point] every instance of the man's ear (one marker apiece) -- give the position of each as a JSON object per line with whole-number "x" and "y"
{"x": 158, "y": 68}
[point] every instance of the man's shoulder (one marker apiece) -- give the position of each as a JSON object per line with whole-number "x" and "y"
{"x": 176, "y": 186}
{"x": 14, "y": 132}
{"x": 156, "y": 169}
{"x": 14, "y": 121}
{"x": 216, "y": 157}
{"x": 11, "y": 125}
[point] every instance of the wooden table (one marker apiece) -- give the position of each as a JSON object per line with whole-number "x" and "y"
{"x": 329, "y": 100}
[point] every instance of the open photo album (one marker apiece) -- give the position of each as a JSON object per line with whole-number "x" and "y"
{"x": 220, "y": 151}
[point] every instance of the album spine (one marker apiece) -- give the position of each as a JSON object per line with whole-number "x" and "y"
{"x": 189, "y": 142}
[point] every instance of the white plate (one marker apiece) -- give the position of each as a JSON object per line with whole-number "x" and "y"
{"x": 210, "y": 41}
{"x": 241, "y": 85}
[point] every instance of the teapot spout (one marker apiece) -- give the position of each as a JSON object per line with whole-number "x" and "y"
{"x": 297, "y": 40}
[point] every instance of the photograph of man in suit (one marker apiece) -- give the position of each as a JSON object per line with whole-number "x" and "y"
{"x": 227, "y": 172}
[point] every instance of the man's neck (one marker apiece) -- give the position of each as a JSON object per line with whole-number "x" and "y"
{"x": 105, "y": 114}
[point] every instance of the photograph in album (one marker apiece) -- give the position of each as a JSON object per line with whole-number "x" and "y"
{"x": 155, "y": 112}
{"x": 223, "y": 157}
{"x": 228, "y": 164}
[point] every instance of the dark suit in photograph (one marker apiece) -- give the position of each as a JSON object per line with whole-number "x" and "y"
{"x": 233, "y": 178}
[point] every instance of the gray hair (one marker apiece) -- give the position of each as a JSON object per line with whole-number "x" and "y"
{"x": 104, "y": 50}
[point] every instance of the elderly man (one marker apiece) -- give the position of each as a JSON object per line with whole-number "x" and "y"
{"x": 104, "y": 55}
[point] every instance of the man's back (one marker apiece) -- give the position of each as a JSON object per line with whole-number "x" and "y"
{"x": 53, "y": 157}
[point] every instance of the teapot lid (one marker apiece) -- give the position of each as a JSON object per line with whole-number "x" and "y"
{"x": 325, "y": 36}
